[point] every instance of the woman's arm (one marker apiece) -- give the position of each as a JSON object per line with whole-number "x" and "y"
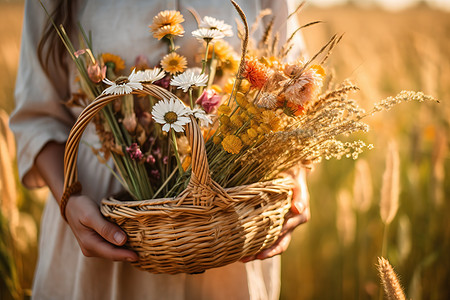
{"x": 96, "y": 236}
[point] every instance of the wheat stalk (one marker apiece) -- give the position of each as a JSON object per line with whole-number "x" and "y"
{"x": 389, "y": 279}
{"x": 8, "y": 191}
{"x": 390, "y": 188}
{"x": 362, "y": 186}
{"x": 345, "y": 218}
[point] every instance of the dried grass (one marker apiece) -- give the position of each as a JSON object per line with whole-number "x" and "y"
{"x": 389, "y": 279}
{"x": 390, "y": 188}
{"x": 345, "y": 218}
{"x": 362, "y": 186}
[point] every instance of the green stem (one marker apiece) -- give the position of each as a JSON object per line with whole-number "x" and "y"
{"x": 166, "y": 166}
{"x": 236, "y": 85}
{"x": 129, "y": 170}
{"x": 171, "y": 44}
{"x": 212, "y": 69}
{"x": 206, "y": 58}
{"x": 165, "y": 183}
{"x": 385, "y": 241}
{"x": 175, "y": 147}
{"x": 191, "y": 100}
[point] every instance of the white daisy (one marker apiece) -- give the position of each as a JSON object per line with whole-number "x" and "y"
{"x": 213, "y": 23}
{"x": 122, "y": 85}
{"x": 188, "y": 79}
{"x": 149, "y": 75}
{"x": 201, "y": 115}
{"x": 208, "y": 35}
{"x": 171, "y": 114}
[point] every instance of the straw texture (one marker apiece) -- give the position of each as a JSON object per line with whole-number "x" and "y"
{"x": 205, "y": 226}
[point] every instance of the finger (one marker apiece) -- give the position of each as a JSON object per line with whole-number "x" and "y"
{"x": 93, "y": 245}
{"x": 248, "y": 258}
{"x": 279, "y": 247}
{"x": 292, "y": 221}
{"x": 301, "y": 194}
{"x": 109, "y": 231}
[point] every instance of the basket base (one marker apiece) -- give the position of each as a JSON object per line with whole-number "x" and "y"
{"x": 172, "y": 238}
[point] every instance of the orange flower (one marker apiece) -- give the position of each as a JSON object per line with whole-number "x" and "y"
{"x": 166, "y": 17}
{"x": 289, "y": 107}
{"x": 225, "y": 54}
{"x": 256, "y": 73}
{"x": 113, "y": 61}
{"x": 294, "y": 109}
{"x": 173, "y": 63}
{"x": 167, "y": 23}
{"x": 186, "y": 163}
{"x": 176, "y": 30}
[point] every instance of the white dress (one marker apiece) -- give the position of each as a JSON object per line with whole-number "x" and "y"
{"x": 119, "y": 27}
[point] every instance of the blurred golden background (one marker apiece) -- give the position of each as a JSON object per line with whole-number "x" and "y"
{"x": 333, "y": 256}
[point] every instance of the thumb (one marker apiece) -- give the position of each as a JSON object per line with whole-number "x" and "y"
{"x": 109, "y": 231}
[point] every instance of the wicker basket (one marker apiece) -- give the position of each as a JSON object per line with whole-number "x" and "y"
{"x": 204, "y": 227}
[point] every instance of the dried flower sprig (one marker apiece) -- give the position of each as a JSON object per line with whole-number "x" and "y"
{"x": 391, "y": 284}
{"x": 271, "y": 116}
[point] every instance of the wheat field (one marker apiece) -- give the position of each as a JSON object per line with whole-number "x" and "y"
{"x": 334, "y": 255}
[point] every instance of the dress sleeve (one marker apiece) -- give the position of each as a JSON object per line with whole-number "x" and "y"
{"x": 40, "y": 115}
{"x": 285, "y": 26}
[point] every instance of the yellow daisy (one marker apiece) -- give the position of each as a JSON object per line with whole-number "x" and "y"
{"x": 166, "y": 17}
{"x": 113, "y": 61}
{"x": 173, "y": 63}
{"x": 168, "y": 30}
{"x": 166, "y": 24}
{"x": 225, "y": 54}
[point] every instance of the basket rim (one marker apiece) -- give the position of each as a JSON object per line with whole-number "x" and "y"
{"x": 283, "y": 182}
{"x": 139, "y": 208}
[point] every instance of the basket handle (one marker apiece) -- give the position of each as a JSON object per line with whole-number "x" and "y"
{"x": 199, "y": 163}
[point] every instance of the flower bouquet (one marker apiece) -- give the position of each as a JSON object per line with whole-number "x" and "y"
{"x": 201, "y": 152}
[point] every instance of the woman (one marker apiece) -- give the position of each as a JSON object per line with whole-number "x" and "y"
{"x": 83, "y": 258}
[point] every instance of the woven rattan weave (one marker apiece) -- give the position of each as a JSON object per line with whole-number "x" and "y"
{"x": 204, "y": 227}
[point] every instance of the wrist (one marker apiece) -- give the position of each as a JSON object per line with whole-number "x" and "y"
{"x": 75, "y": 188}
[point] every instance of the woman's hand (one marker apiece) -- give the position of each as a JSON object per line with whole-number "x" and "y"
{"x": 96, "y": 236}
{"x": 298, "y": 215}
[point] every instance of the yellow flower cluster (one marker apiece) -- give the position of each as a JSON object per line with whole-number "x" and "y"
{"x": 226, "y": 56}
{"x": 244, "y": 124}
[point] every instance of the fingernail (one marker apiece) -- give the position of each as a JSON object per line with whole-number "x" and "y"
{"x": 130, "y": 259}
{"x": 299, "y": 206}
{"x": 119, "y": 237}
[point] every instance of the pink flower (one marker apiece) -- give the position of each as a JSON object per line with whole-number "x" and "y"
{"x": 145, "y": 119}
{"x": 209, "y": 100}
{"x": 150, "y": 159}
{"x": 134, "y": 152}
{"x": 96, "y": 73}
{"x": 80, "y": 52}
{"x": 164, "y": 83}
{"x": 305, "y": 88}
{"x": 157, "y": 152}
{"x": 155, "y": 174}
{"x": 141, "y": 62}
